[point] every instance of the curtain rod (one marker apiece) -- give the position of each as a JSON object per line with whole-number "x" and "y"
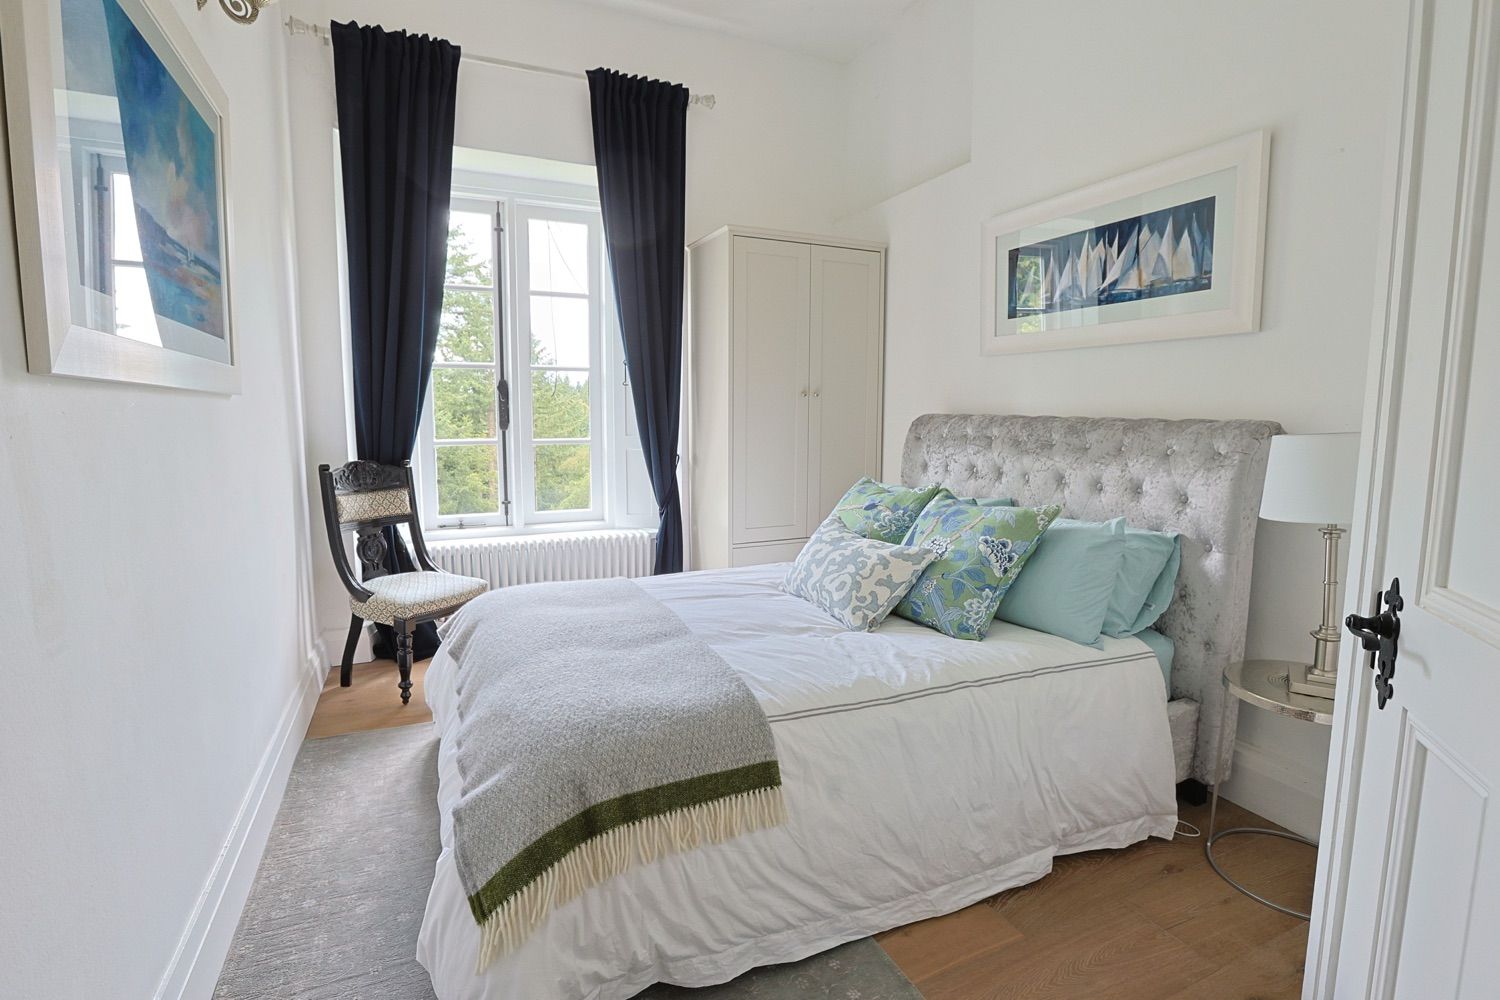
{"x": 296, "y": 26}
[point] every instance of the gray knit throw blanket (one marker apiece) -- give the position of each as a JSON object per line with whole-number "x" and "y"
{"x": 595, "y": 733}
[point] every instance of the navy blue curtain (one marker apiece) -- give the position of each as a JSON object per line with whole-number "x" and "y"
{"x": 396, "y": 97}
{"x": 640, "y": 151}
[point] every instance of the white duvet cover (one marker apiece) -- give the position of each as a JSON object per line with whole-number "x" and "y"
{"x": 921, "y": 774}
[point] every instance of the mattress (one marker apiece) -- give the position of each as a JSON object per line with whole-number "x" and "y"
{"x": 921, "y": 774}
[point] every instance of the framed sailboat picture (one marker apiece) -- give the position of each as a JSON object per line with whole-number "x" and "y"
{"x": 1170, "y": 251}
{"x": 118, "y": 144}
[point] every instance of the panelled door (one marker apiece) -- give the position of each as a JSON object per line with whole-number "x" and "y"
{"x": 1408, "y": 898}
{"x": 845, "y": 357}
{"x": 769, "y": 389}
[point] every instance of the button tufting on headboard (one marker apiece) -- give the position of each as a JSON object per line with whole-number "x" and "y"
{"x": 1204, "y": 481}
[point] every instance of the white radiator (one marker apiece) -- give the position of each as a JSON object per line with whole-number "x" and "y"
{"x": 583, "y": 555}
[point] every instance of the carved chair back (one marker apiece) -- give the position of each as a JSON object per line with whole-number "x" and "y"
{"x": 366, "y": 498}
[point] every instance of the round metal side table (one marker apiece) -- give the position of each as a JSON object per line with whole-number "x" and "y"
{"x": 1261, "y": 683}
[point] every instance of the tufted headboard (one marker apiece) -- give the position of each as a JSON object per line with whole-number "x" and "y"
{"x": 1201, "y": 478}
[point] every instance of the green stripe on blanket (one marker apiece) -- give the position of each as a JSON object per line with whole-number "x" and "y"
{"x": 628, "y": 809}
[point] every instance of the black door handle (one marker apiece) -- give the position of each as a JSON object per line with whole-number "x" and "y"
{"x": 1378, "y": 635}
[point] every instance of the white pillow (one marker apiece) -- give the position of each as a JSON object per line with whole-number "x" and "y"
{"x": 855, "y": 579}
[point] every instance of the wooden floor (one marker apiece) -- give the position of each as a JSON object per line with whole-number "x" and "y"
{"x": 372, "y": 701}
{"x": 1150, "y": 922}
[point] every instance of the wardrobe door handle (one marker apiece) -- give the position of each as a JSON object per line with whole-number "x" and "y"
{"x": 804, "y": 393}
{"x": 815, "y": 393}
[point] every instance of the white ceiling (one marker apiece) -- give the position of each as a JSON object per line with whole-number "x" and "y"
{"x": 833, "y": 29}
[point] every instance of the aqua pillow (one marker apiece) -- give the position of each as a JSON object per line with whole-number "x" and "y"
{"x": 1146, "y": 581}
{"x": 980, "y": 552}
{"x": 1068, "y": 581}
{"x": 989, "y": 501}
{"x": 883, "y": 511}
{"x": 1164, "y": 648}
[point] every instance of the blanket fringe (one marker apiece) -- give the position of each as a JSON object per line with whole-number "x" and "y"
{"x": 620, "y": 849}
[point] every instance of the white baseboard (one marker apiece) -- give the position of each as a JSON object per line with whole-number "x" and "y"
{"x": 1284, "y": 790}
{"x": 332, "y": 641}
{"x": 317, "y": 657}
{"x": 195, "y": 966}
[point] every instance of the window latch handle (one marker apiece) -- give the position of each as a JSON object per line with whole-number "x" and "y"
{"x": 502, "y": 392}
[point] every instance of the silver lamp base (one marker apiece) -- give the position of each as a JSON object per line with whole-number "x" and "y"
{"x": 1311, "y": 682}
{"x": 1318, "y": 680}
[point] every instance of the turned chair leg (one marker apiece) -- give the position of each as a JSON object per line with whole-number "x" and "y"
{"x": 346, "y": 668}
{"x": 403, "y": 658}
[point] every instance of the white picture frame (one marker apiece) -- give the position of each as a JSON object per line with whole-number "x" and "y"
{"x": 1067, "y": 272}
{"x": 56, "y": 304}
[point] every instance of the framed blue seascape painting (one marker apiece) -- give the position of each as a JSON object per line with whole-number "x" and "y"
{"x": 1170, "y": 251}
{"x": 120, "y": 194}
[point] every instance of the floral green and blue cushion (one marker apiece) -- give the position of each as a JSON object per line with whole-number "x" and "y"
{"x": 980, "y": 552}
{"x": 1069, "y": 579}
{"x": 856, "y": 580}
{"x": 883, "y": 511}
{"x": 1145, "y": 583}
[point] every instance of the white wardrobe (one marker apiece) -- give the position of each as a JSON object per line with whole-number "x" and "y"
{"x": 787, "y": 335}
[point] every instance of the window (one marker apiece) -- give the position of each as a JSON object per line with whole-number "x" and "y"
{"x": 561, "y": 319}
{"x": 134, "y": 315}
{"x": 467, "y": 424}
{"x": 109, "y": 249}
{"x": 528, "y": 421}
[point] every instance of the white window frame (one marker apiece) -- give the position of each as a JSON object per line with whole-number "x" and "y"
{"x": 498, "y": 368}
{"x": 615, "y": 450}
{"x": 522, "y": 215}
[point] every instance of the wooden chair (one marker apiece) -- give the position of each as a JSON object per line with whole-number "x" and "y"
{"x": 367, "y": 497}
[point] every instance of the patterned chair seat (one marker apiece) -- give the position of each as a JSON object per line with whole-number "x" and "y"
{"x": 412, "y": 595}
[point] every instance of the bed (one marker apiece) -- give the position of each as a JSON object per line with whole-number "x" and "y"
{"x": 921, "y": 773}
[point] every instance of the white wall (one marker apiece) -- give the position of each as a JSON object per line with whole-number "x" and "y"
{"x": 910, "y": 103}
{"x": 769, "y": 154}
{"x": 154, "y": 659}
{"x": 1064, "y": 95}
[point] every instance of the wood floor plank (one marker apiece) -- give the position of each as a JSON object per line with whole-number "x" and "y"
{"x": 1079, "y": 881}
{"x": 928, "y": 947}
{"x": 1113, "y": 954}
{"x": 1232, "y": 927}
{"x": 372, "y": 701}
{"x": 1270, "y": 972}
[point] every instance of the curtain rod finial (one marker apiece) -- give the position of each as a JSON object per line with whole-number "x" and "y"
{"x": 706, "y": 100}
{"x": 296, "y": 26}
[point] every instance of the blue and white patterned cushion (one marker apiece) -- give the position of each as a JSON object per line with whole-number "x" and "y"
{"x": 855, "y": 579}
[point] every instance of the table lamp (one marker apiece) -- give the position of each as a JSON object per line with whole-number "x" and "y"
{"x": 1310, "y": 480}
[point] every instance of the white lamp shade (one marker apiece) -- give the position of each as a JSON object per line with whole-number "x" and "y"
{"x": 1310, "y": 478}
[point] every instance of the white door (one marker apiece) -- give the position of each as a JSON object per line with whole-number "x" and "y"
{"x": 1408, "y": 897}
{"x": 769, "y": 390}
{"x": 844, "y": 374}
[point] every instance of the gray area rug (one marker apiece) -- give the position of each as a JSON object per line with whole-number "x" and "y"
{"x": 336, "y": 905}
